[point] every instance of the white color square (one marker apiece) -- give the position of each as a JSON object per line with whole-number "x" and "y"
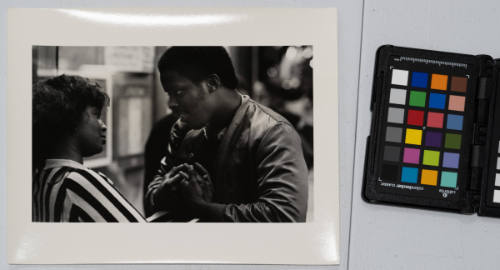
{"x": 496, "y": 196}
{"x": 497, "y": 180}
{"x": 499, "y": 147}
{"x": 399, "y": 77}
{"x": 398, "y": 96}
{"x": 498, "y": 163}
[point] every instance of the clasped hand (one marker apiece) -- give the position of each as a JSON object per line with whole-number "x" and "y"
{"x": 188, "y": 185}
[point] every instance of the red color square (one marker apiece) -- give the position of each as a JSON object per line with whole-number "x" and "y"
{"x": 415, "y": 118}
{"x": 435, "y": 119}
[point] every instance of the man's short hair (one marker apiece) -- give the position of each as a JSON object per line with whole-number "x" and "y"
{"x": 197, "y": 63}
{"x": 58, "y": 106}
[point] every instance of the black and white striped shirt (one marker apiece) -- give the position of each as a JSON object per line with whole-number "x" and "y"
{"x": 67, "y": 191}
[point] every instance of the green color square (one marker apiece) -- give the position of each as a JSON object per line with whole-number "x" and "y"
{"x": 452, "y": 141}
{"x": 431, "y": 158}
{"x": 417, "y": 98}
{"x": 449, "y": 179}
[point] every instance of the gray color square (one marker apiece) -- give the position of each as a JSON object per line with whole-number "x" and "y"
{"x": 394, "y": 134}
{"x": 398, "y": 96}
{"x": 391, "y": 153}
{"x": 395, "y": 115}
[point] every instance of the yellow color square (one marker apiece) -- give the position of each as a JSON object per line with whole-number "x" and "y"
{"x": 439, "y": 82}
{"x": 429, "y": 177}
{"x": 413, "y": 136}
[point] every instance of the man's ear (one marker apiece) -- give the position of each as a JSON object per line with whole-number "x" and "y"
{"x": 213, "y": 82}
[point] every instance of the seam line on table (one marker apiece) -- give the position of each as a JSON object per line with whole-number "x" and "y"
{"x": 355, "y": 136}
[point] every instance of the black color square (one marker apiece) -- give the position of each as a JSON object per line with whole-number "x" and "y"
{"x": 389, "y": 173}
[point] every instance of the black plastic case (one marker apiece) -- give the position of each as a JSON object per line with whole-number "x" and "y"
{"x": 480, "y": 136}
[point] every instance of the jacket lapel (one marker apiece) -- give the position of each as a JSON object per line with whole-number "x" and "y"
{"x": 229, "y": 139}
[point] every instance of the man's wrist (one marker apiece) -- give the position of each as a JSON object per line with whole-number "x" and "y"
{"x": 208, "y": 211}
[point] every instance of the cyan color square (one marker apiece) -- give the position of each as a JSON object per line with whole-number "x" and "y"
{"x": 449, "y": 179}
{"x": 437, "y": 101}
{"x": 419, "y": 79}
{"x": 455, "y": 122}
{"x": 409, "y": 175}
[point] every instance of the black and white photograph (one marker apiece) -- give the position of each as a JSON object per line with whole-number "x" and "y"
{"x": 179, "y": 135}
{"x": 172, "y": 134}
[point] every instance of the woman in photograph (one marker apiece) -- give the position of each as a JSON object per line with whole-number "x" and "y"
{"x": 66, "y": 128}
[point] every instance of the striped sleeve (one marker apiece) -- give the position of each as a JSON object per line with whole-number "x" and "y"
{"x": 85, "y": 195}
{"x": 46, "y": 184}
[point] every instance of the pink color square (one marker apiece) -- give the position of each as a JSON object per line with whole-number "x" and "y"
{"x": 411, "y": 155}
{"x": 456, "y": 103}
{"x": 435, "y": 119}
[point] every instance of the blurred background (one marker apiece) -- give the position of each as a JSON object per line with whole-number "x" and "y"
{"x": 279, "y": 77}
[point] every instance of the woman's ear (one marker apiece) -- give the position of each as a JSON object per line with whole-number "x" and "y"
{"x": 213, "y": 82}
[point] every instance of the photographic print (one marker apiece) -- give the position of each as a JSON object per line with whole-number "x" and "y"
{"x": 183, "y": 133}
{"x": 207, "y": 133}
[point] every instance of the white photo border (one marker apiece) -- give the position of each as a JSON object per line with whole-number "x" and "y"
{"x": 315, "y": 242}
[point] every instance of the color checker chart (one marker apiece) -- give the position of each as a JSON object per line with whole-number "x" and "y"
{"x": 434, "y": 134}
{"x": 425, "y": 121}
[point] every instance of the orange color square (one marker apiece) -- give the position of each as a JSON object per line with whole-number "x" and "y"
{"x": 429, "y": 177}
{"x": 439, "y": 82}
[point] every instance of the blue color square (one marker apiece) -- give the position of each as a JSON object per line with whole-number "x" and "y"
{"x": 419, "y": 79}
{"x": 449, "y": 179}
{"x": 437, "y": 101}
{"x": 450, "y": 160}
{"x": 454, "y": 121}
{"x": 409, "y": 175}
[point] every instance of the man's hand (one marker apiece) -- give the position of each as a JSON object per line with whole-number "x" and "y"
{"x": 166, "y": 193}
{"x": 174, "y": 176}
{"x": 198, "y": 188}
{"x": 205, "y": 182}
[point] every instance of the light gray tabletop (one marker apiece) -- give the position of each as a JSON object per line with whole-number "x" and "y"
{"x": 384, "y": 237}
{"x": 372, "y": 236}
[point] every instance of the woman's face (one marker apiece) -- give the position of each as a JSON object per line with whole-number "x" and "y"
{"x": 91, "y": 133}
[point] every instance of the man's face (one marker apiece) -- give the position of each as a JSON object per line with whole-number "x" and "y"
{"x": 189, "y": 100}
{"x": 91, "y": 133}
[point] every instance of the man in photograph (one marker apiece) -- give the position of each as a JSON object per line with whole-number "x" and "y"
{"x": 242, "y": 161}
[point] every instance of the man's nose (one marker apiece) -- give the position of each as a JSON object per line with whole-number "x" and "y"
{"x": 102, "y": 124}
{"x": 172, "y": 103}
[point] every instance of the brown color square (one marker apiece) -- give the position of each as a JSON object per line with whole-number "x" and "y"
{"x": 458, "y": 84}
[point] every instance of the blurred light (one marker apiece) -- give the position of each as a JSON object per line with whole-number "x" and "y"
{"x": 294, "y": 82}
{"x": 291, "y": 53}
{"x": 308, "y": 52}
{"x": 272, "y": 72}
{"x": 149, "y": 19}
{"x": 311, "y": 63}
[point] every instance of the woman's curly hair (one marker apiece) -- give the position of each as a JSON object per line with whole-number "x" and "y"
{"x": 58, "y": 106}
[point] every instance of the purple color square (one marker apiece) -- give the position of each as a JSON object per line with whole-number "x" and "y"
{"x": 411, "y": 155}
{"x": 450, "y": 160}
{"x": 433, "y": 138}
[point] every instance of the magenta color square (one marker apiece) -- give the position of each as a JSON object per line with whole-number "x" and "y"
{"x": 411, "y": 155}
